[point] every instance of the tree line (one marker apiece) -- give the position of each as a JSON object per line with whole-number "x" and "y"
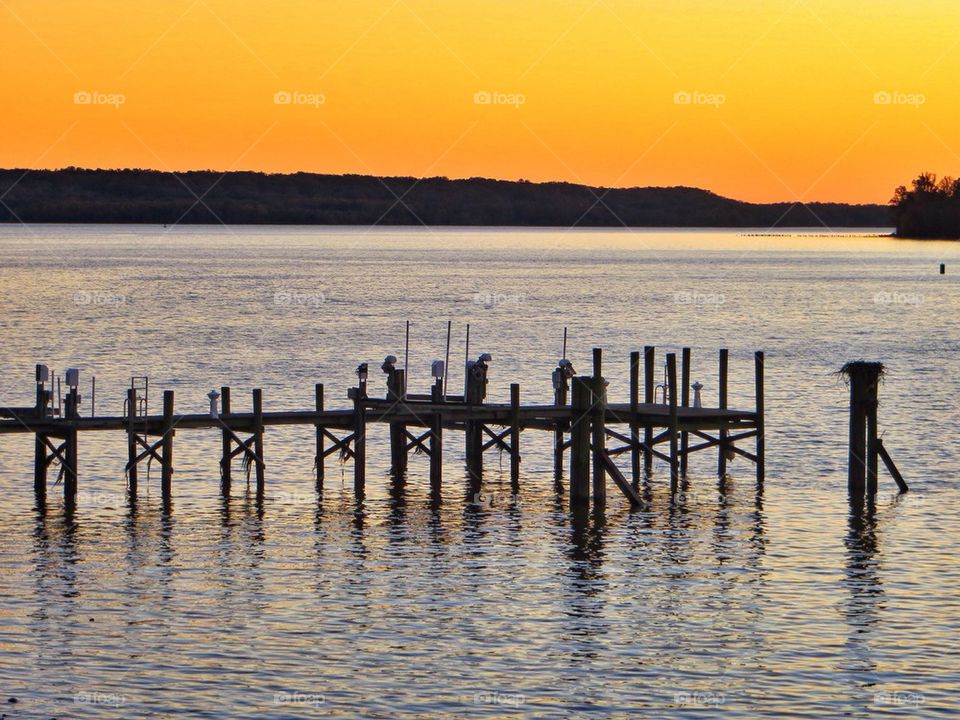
{"x": 75, "y": 195}
{"x": 930, "y": 209}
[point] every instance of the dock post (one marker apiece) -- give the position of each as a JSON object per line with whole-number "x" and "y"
{"x": 598, "y": 403}
{"x": 40, "y": 468}
{"x": 864, "y": 378}
{"x": 359, "y": 443}
{"x": 580, "y": 442}
{"x": 649, "y": 359}
{"x": 758, "y": 360}
{"x": 560, "y": 391}
{"x": 515, "y": 437}
{"x": 634, "y": 423}
{"x": 396, "y": 392}
{"x": 722, "y": 404}
{"x": 685, "y": 402}
{"x": 166, "y": 449}
{"x": 674, "y": 451}
{"x": 226, "y": 443}
{"x": 40, "y": 463}
{"x": 319, "y": 460}
{"x": 132, "y": 450}
{"x": 473, "y": 433}
{"x": 436, "y": 443}
{"x": 71, "y": 449}
{"x": 258, "y": 439}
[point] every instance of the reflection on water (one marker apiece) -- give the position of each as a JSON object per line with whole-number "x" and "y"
{"x": 723, "y": 599}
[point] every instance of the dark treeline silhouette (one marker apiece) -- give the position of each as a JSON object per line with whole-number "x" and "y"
{"x": 930, "y": 210}
{"x": 146, "y": 196}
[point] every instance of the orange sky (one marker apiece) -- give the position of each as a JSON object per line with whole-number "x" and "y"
{"x": 780, "y": 100}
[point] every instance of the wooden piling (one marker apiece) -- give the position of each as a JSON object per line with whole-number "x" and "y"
{"x": 396, "y": 392}
{"x": 580, "y": 442}
{"x": 758, "y": 360}
{"x": 722, "y": 404}
{"x": 166, "y": 448}
{"x": 436, "y": 445}
{"x": 634, "y": 424}
{"x": 891, "y": 467}
{"x": 40, "y": 468}
{"x": 649, "y": 361}
{"x": 864, "y": 378}
{"x": 685, "y": 402}
{"x": 319, "y": 460}
{"x": 598, "y": 409}
{"x": 560, "y": 400}
{"x": 226, "y": 444}
{"x": 258, "y": 439}
{"x": 71, "y": 450}
{"x": 132, "y": 446}
{"x": 674, "y": 449}
{"x": 515, "y": 437}
{"x": 359, "y": 444}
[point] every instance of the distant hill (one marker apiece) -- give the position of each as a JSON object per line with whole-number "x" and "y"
{"x": 146, "y": 196}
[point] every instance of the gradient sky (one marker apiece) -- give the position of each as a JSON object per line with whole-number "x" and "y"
{"x": 780, "y": 100}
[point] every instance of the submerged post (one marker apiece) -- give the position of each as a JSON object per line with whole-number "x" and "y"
{"x": 722, "y": 404}
{"x": 71, "y": 448}
{"x": 226, "y": 443}
{"x": 649, "y": 353}
{"x": 758, "y": 360}
{"x": 166, "y": 448}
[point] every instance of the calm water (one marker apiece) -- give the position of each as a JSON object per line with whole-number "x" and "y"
{"x": 724, "y": 602}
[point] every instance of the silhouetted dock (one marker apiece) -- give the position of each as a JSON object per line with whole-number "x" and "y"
{"x": 581, "y": 420}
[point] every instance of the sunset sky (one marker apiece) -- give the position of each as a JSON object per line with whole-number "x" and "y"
{"x": 779, "y": 100}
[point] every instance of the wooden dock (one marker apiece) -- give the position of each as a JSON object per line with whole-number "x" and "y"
{"x": 585, "y": 426}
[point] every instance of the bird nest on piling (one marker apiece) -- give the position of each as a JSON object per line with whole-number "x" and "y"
{"x": 861, "y": 367}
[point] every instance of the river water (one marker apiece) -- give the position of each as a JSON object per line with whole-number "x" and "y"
{"x": 724, "y": 601}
